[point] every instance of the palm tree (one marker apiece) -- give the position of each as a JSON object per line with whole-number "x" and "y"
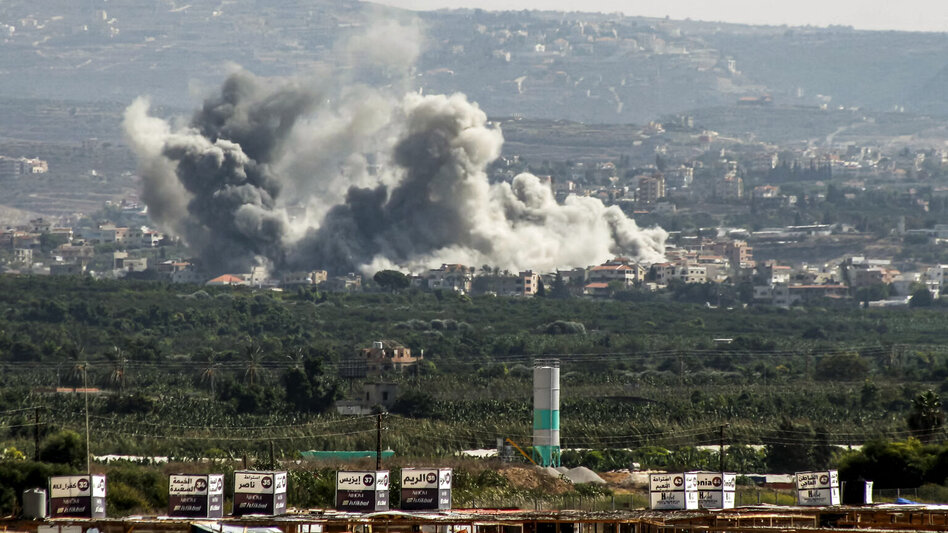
{"x": 297, "y": 357}
{"x": 118, "y": 376}
{"x": 212, "y": 368}
{"x": 927, "y": 416}
{"x": 254, "y": 357}
{"x": 75, "y": 351}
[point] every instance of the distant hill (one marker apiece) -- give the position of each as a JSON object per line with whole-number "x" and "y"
{"x": 542, "y": 65}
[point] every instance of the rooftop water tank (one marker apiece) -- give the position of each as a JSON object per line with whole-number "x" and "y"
{"x": 34, "y": 504}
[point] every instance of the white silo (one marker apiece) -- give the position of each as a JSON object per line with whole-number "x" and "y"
{"x": 546, "y": 412}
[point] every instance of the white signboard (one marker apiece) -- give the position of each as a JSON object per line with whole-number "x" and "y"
{"x": 716, "y": 499}
{"x": 717, "y": 481}
{"x": 259, "y": 482}
{"x": 818, "y": 497}
{"x": 77, "y": 486}
{"x": 199, "y": 485}
{"x": 445, "y": 476}
{"x": 675, "y": 491}
{"x": 426, "y": 478}
{"x": 687, "y": 481}
{"x": 673, "y": 501}
{"x": 716, "y": 490}
{"x": 366, "y": 480}
{"x": 818, "y": 480}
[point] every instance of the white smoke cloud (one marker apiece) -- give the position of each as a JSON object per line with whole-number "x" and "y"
{"x": 373, "y": 180}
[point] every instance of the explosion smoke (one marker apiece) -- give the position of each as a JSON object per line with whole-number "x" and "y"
{"x": 218, "y": 185}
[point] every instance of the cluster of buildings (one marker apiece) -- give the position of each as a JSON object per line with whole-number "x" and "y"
{"x": 41, "y": 247}
{"x": 12, "y": 168}
{"x": 689, "y": 166}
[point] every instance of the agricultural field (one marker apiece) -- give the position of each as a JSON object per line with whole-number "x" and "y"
{"x": 242, "y": 376}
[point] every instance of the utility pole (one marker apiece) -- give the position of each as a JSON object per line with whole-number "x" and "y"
{"x": 378, "y": 442}
{"x": 85, "y": 391}
{"x": 721, "y": 448}
{"x": 681, "y": 370}
{"x": 36, "y": 434}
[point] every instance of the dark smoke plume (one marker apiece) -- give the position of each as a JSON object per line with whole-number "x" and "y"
{"x": 372, "y": 182}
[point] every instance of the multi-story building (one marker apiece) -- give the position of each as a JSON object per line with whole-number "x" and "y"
{"x": 770, "y": 272}
{"x": 716, "y": 266}
{"x": 15, "y": 167}
{"x": 785, "y": 295}
{"x": 730, "y": 187}
{"x": 454, "y": 277}
{"x": 314, "y": 277}
{"x": 23, "y": 256}
{"x": 75, "y": 252}
{"x": 529, "y": 282}
{"x": 650, "y": 189}
{"x": 737, "y": 252}
{"x": 876, "y": 275}
{"x": 685, "y": 272}
{"x": 626, "y": 274}
{"x": 387, "y": 356}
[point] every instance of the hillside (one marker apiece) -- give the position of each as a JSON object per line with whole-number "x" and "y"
{"x": 581, "y": 67}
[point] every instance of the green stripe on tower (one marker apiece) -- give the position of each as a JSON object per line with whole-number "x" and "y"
{"x": 547, "y": 455}
{"x": 546, "y": 419}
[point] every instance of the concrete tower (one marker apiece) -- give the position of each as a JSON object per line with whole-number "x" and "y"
{"x": 546, "y": 412}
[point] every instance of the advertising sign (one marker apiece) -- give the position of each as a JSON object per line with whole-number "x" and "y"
{"x": 817, "y": 480}
{"x": 673, "y": 501}
{"x": 716, "y": 490}
{"x": 259, "y": 493}
{"x": 716, "y": 499}
{"x": 196, "y": 496}
{"x": 77, "y": 496}
{"x": 675, "y": 491}
{"x": 687, "y": 481}
{"x": 818, "y": 497}
{"x": 363, "y": 491}
{"x": 426, "y": 489}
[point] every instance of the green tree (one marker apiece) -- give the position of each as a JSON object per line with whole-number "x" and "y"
{"x": 211, "y": 371}
{"x": 118, "y": 377}
{"x": 927, "y": 416}
{"x": 253, "y": 362}
{"x": 559, "y": 290}
{"x": 841, "y": 367}
{"x": 415, "y": 404}
{"x": 64, "y": 447}
{"x": 310, "y": 389}
{"x": 869, "y": 395}
{"x": 795, "y": 447}
{"x": 887, "y": 464}
{"x": 921, "y": 298}
{"x": 392, "y": 280}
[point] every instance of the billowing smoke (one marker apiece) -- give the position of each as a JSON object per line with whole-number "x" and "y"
{"x": 444, "y": 209}
{"x": 299, "y": 175}
{"x": 212, "y": 182}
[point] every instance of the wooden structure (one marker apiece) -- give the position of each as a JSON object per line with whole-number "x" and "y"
{"x": 877, "y": 519}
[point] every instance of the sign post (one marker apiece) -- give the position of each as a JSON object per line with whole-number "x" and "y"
{"x": 678, "y": 491}
{"x": 259, "y": 493}
{"x": 77, "y": 496}
{"x": 818, "y": 489}
{"x": 426, "y": 489}
{"x": 196, "y": 496}
{"x": 363, "y": 491}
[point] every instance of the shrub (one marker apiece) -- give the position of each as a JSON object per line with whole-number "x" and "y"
{"x": 565, "y": 327}
{"x": 122, "y": 499}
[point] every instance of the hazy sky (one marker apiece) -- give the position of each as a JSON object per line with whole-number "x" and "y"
{"x": 915, "y": 15}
